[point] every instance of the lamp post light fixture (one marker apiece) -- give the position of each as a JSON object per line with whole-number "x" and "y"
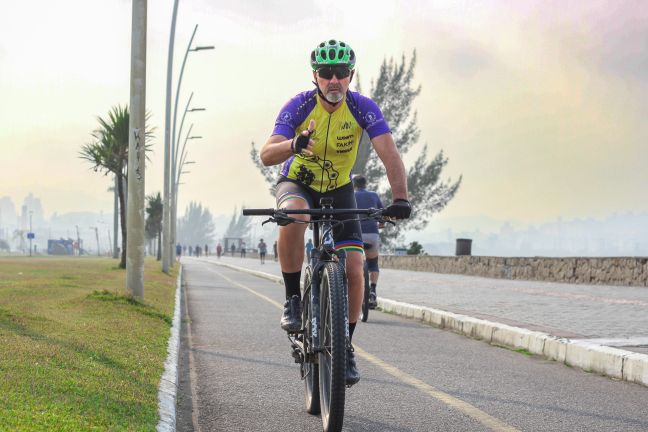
{"x": 176, "y": 179}
{"x": 169, "y": 228}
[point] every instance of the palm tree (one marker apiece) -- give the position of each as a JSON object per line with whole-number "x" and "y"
{"x": 109, "y": 154}
{"x": 154, "y": 220}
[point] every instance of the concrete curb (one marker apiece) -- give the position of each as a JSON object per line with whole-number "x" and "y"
{"x": 167, "y": 394}
{"x": 591, "y": 357}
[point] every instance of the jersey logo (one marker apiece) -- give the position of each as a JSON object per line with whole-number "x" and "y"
{"x": 371, "y": 118}
{"x": 346, "y": 125}
{"x": 285, "y": 116}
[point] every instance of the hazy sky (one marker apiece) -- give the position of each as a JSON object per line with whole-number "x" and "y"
{"x": 541, "y": 106}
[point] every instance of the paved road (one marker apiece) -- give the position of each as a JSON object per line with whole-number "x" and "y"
{"x": 567, "y": 310}
{"x": 237, "y": 374}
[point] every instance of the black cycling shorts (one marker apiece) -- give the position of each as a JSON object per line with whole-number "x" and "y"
{"x": 348, "y": 235}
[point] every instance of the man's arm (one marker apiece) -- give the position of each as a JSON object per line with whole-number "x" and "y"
{"x": 279, "y": 148}
{"x": 276, "y": 150}
{"x": 388, "y": 154}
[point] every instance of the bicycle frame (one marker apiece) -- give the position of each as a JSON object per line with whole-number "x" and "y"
{"x": 322, "y": 252}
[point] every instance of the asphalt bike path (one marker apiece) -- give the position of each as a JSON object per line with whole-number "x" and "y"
{"x": 236, "y": 373}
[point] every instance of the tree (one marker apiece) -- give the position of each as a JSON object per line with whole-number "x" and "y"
{"x": 153, "y": 226}
{"x": 415, "y": 248}
{"x": 108, "y": 152}
{"x": 394, "y": 93}
{"x": 239, "y": 225}
{"x": 196, "y": 227}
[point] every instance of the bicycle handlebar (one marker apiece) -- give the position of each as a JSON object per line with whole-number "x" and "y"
{"x": 312, "y": 212}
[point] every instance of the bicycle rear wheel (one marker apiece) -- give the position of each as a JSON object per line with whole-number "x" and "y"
{"x": 310, "y": 370}
{"x": 364, "y": 316}
{"x": 332, "y": 360}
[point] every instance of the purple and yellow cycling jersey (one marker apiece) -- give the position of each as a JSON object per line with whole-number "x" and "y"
{"x": 337, "y": 137}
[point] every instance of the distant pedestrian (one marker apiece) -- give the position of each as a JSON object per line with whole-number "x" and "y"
{"x": 178, "y": 251}
{"x": 190, "y": 249}
{"x": 184, "y": 250}
{"x": 219, "y": 250}
{"x": 242, "y": 249}
{"x": 274, "y": 250}
{"x": 233, "y": 249}
{"x": 197, "y": 251}
{"x": 263, "y": 249}
{"x": 206, "y": 250}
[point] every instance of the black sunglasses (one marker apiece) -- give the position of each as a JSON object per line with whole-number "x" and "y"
{"x": 327, "y": 72}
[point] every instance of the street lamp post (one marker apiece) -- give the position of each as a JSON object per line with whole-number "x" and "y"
{"x": 182, "y": 162}
{"x": 174, "y": 170}
{"x": 96, "y": 230}
{"x": 31, "y": 235}
{"x": 167, "y": 145}
{"x": 174, "y": 141}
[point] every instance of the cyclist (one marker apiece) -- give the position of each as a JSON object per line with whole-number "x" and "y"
{"x": 317, "y": 163}
{"x": 370, "y": 236}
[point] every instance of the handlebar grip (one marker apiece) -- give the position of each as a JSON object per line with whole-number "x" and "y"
{"x": 258, "y": 212}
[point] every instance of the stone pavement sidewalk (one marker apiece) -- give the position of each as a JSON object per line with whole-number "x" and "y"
{"x": 585, "y": 315}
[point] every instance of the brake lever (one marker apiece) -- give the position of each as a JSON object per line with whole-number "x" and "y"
{"x": 268, "y": 220}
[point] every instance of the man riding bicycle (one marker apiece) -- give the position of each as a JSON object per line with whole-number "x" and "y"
{"x": 317, "y": 163}
{"x": 370, "y": 236}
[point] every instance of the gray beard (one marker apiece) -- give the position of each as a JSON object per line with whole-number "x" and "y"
{"x": 334, "y": 97}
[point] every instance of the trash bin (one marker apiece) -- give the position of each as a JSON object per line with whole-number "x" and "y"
{"x": 464, "y": 247}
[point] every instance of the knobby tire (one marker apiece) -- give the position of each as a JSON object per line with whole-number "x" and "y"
{"x": 332, "y": 361}
{"x": 311, "y": 370}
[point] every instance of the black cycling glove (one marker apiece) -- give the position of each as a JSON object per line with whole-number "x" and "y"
{"x": 300, "y": 143}
{"x": 399, "y": 209}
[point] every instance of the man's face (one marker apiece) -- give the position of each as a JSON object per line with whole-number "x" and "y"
{"x": 333, "y": 81}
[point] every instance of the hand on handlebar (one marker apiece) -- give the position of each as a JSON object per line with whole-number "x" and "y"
{"x": 302, "y": 143}
{"x": 399, "y": 209}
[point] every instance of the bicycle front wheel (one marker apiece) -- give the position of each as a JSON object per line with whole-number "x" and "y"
{"x": 332, "y": 360}
{"x": 310, "y": 370}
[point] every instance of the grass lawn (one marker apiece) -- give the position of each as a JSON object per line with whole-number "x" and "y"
{"x": 75, "y": 353}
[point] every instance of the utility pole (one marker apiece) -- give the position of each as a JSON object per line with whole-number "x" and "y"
{"x": 97, "y": 236}
{"x": 115, "y": 246}
{"x": 31, "y": 235}
{"x": 136, "y": 155}
{"x": 166, "y": 213}
{"x": 78, "y": 239}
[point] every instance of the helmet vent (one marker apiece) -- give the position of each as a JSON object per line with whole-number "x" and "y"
{"x": 313, "y": 56}
{"x": 332, "y": 54}
{"x": 322, "y": 45}
{"x": 340, "y": 54}
{"x": 342, "y": 44}
{"x": 352, "y": 57}
{"x": 332, "y": 42}
{"x": 323, "y": 53}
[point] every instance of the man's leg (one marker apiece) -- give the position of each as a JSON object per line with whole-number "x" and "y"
{"x": 372, "y": 264}
{"x": 290, "y": 245}
{"x": 355, "y": 278}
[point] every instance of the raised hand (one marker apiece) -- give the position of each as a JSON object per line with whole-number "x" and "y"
{"x": 302, "y": 143}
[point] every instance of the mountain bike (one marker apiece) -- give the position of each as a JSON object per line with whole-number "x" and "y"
{"x": 320, "y": 346}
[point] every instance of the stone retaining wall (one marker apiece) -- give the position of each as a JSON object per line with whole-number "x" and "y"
{"x": 628, "y": 271}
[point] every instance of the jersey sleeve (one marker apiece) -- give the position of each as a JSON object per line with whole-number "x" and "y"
{"x": 293, "y": 113}
{"x": 371, "y": 117}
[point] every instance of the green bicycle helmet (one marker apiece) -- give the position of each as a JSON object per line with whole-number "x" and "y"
{"x": 331, "y": 53}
